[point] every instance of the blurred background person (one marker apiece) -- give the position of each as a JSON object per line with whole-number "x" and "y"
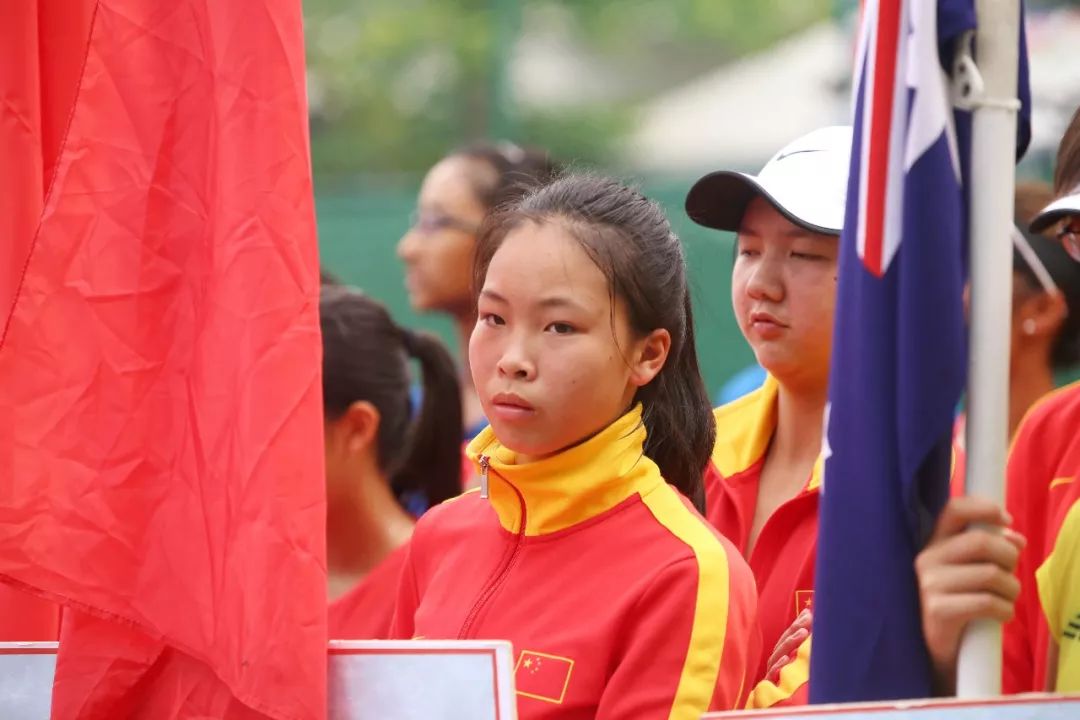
{"x": 1046, "y": 307}
{"x": 455, "y": 197}
{"x": 1043, "y": 482}
{"x": 1045, "y": 321}
{"x": 386, "y": 462}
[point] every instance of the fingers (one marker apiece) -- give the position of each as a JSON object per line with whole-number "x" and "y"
{"x": 957, "y": 610}
{"x": 965, "y": 573}
{"x": 1018, "y": 540}
{"x": 784, "y": 653}
{"x": 789, "y": 643}
{"x": 960, "y": 512}
{"x": 984, "y": 577}
{"x": 973, "y": 546}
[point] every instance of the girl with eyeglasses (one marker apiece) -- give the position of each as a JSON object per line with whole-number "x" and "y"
{"x": 456, "y": 195}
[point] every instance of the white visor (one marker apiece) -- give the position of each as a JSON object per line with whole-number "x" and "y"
{"x": 1055, "y": 211}
{"x": 806, "y": 181}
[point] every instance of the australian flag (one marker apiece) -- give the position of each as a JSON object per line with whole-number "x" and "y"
{"x": 899, "y": 350}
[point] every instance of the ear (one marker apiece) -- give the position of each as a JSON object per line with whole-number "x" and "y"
{"x": 360, "y": 427}
{"x": 650, "y": 354}
{"x": 1042, "y": 314}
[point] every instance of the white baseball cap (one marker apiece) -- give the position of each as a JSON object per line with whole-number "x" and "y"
{"x": 1060, "y": 208}
{"x": 806, "y": 181}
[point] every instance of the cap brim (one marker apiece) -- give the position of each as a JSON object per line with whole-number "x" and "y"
{"x": 1055, "y": 211}
{"x": 719, "y": 201}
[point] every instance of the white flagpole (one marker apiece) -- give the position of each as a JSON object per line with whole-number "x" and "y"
{"x": 993, "y": 182}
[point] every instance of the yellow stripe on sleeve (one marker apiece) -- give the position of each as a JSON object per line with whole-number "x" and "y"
{"x": 697, "y": 682}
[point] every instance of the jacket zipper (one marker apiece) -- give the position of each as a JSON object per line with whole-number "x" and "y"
{"x": 497, "y": 580}
{"x": 485, "y": 466}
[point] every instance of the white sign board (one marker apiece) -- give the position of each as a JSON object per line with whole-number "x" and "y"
{"x": 403, "y": 680}
{"x": 1013, "y": 707}
{"x": 421, "y": 680}
{"x": 26, "y": 675}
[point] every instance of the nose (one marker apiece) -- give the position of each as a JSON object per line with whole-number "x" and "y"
{"x": 766, "y": 281}
{"x": 408, "y": 246}
{"x": 516, "y": 361}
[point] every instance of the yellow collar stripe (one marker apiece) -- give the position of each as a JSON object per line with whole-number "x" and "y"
{"x": 572, "y": 486}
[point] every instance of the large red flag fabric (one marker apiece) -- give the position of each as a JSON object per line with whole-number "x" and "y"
{"x": 36, "y": 92}
{"x": 160, "y": 411}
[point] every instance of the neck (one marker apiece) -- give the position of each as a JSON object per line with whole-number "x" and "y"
{"x": 799, "y": 424}
{"x": 1030, "y": 377}
{"x": 472, "y": 411}
{"x": 463, "y": 326}
{"x": 362, "y": 528}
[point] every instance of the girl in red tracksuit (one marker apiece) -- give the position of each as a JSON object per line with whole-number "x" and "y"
{"x": 584, "y": 546}
{"x": 383, "y": 466}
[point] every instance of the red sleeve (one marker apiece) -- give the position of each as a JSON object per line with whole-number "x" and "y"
{"x": 1024, "y": 638}
{"x": 402, "y": 626}
{"x": 686, "y": 651}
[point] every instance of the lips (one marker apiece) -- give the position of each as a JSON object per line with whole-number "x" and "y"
{"x": 510, "y": 406}
{"x": 766, "y": 324}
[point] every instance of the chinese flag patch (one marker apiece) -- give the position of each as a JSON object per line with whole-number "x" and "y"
{"x": 542, "y": 676}
{"x": 804, "y": 600}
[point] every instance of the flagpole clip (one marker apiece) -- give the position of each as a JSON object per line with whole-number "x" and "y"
{"x": 968, "y": 90}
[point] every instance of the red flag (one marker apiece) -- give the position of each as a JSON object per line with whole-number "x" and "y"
{"x": 160, "y": 410}
{"x": 36, "y": 92}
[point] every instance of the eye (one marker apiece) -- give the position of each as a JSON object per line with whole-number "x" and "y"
{"x": 807, "y": 256}
{"x": 748, "y": 252}
{"x": 491, "y": 319}
{"x": 560, "y": 328}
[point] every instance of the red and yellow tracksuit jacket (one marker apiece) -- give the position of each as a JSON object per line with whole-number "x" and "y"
{"x": 783, "y": 556}
{"x": 365, "y": 612}
{"x": 619, "y": 599}
{"x": 1043, "y": 469}
{"x": 1059, "y": 591}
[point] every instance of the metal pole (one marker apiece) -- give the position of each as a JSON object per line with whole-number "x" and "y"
{"x": 993, "y": 161}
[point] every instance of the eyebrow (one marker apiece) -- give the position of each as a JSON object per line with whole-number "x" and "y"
{"x": 552, "y": 301}
{"x": 794, "y": 232}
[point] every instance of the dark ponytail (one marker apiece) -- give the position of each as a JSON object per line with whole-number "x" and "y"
{"x": 433, "y": 463}
{"x": 678, "y": 414}
{"x": 630, "y": 240}
{"x": 366, "y": 357}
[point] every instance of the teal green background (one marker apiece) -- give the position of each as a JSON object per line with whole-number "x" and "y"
{"x": 359, "y": 227}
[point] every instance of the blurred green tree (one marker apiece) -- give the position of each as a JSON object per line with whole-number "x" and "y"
{"x": 395, "y": 83}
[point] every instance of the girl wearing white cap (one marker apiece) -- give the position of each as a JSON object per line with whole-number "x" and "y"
{"x": 763, "y": 483}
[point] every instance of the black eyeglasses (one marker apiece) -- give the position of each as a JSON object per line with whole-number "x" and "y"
{"x": 428, "y": 223}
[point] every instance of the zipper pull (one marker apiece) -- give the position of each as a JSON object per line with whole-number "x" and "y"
{"x": 485, "y": 462}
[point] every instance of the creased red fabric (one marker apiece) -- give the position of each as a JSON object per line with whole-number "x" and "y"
{"x": 160, "y": 410}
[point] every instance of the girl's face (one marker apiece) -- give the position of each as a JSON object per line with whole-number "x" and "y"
{"x": 553, "y": 358}
{"x": 783, "y": 291}
{"x": 438, "y": 249}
